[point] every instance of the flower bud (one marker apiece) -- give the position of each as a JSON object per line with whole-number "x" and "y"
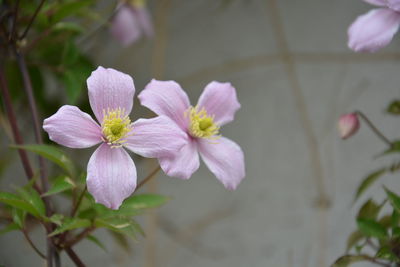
{"x": 348, "y": 125}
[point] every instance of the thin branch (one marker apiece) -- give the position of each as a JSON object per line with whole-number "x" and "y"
{"x": 14, "y": 23}
{"x": 78, "y": 262}
{"x": 78, "y": 203}
{"x": 374, "y": 128}
{"x": 148, "y": 178}
{"x": 32, "y": 244}
{"x": 32, "y": 20}
{"x": 79, "y": 237}
{"x": 14, "y": 127}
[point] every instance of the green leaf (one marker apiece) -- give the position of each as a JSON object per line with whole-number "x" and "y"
{"x": 32, "y": 196}
{"x": 61, "y": 184}
{"x": 57, "y": 219}
{"x": 368, "y": 181}
{"x": 70, "y": 224}
{"x": 121, "y": 225}
{"x": 385, "y": 253}
{"x": 70, "y": 8}
{"x": 395, "y": 148}
{"x": 17, "y": 202}
{"x": 9, "y": 228}
{"x": 18, "y": 217}
{"x": 144, "y": 201}
{"x": 51, "y": 153}
{"x": 353, "y": 239}
{"x": 371, "y": 228}
{"x": 95, "y": 240}
{"x": 121, "y": 240}
{"x": 395, "y": 218}
{"x": 67, "y": 26}
{"x": 394, "y": 107}
{"x": 369, "y": 210}
{"x": 394, "y": 199}
{"x": 346, "y": 260}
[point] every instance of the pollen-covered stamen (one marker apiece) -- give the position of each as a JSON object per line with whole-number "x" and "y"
{"x": 115, "y": 127}
{"x": 201, "y": 124}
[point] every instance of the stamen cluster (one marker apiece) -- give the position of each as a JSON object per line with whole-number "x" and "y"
{"x": 115, "y": 127}
{"x": 201, "y": 124}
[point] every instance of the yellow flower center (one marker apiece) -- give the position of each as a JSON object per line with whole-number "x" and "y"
{"x": 115, "y": 127}
{"x": 201, "y": 124}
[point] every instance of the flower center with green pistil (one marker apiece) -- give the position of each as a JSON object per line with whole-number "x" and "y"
{"x": 201, "y": 124}
{"x": 115, "y": 127}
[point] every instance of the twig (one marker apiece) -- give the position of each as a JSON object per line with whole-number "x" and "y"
{"x": 148, "y": 178}
{"x": 374, "y": 128}
{"x": 14, "y": 23}
{"x": 79, "y": 237}
{"x": 32, "y": 20}
{"x": 32, "y": 244}
{"x": 77, "y": 204}
{"x": 14, "y": 127}
{"x": 78, "y": 262}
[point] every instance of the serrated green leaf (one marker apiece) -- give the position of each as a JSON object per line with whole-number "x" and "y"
{"x": 32, "y": 196}
{"x": 70, "y": 224}
{"x": 353, "y": 239}
{"x": 51, "y": 153}
{"x": 368, "y": 181}
{"x": 346, "y": 260}
{"x": 369, "y": 210}
{"x": 17, "y": 202}
{"x": 18, "y": 217}
{"x": 9, "y": 228}
{"x": 97, "y": 242}
{"x": 61, "y": 184}
{"x": 394, "y": 199}
{"x": 371, "y": 228}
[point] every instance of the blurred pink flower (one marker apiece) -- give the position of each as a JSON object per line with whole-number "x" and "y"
{"x": 111, "y": 173}
{"x": 131, "y": 22}
{"x": 216, "y": 107}
{"x": 375, "y": 29}
{"x": 348, "y": 125}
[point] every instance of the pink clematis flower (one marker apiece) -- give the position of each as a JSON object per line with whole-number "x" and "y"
{"x": 348, "y": 125}
{"x": 131, "y": 21}
{"x": 111, "y": 173}
{"x": 375, "y": 29}
{"x": 216, "y": 107}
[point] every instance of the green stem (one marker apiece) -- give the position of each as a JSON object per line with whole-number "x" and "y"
{"x": 148, "y": 178}
{"x": 374, "y": 128}
{"x": 32, "y": 244}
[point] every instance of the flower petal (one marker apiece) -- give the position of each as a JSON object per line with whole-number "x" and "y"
{"x": 111, "y": 176}
{"x": 110, "y": 89}
{"x": 156, "y": 137}
{"x": 220, "y": 100}
{"x": 394, "y": 4}
{"x": 373, "y": 30}
{"x": 225, "y": 159}
{"x": 71, "y": 127}
{"x": 376, "y": 2}
{"x": 125, "y": 26}
{"x": 144, "y": 19}
{"x": 183, "y": 164}
{"x": 166, "y": 98}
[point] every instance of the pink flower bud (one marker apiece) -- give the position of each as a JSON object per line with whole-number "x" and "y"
{"x": 348, "y": 125}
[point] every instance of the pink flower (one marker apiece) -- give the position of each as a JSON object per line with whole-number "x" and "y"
{"x": 348, "y": 125}
{"x": 216, "y": 107}
{"x": 111, "y": 173}
{"x": 375, "y": 29}
{"x": 131, "y": 22}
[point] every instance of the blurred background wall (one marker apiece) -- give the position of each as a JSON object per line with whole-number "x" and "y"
{"x": 294, "y": 76}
